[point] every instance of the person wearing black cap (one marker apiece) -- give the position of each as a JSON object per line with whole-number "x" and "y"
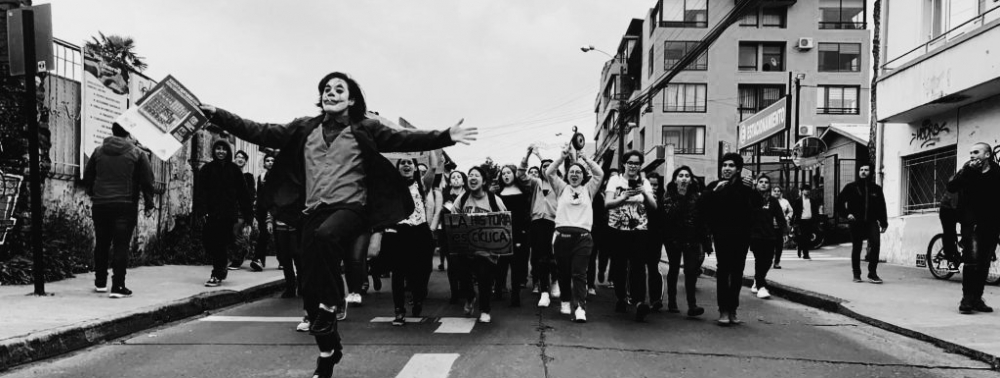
{"x": 726, "y": 204}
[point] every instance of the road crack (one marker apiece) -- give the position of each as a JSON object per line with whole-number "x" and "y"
{"x": 542, "y": 345}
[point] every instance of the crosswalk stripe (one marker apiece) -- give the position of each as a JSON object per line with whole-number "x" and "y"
{"x": 456, "y": 325}
{"x": 426, "y": 365}
{"x": 257, "y": 319}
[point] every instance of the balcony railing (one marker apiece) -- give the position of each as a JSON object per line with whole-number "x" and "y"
{"x": 941, "y": 40}
{"x": 837, "y": 111}
{"x": 841, "y": 25}
{"x": 688, "y": 151}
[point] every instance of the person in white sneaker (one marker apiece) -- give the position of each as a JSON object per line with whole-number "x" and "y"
{"x": 543, "y": 213}
{"x": 574, "y": 219}
{"x": 767, "y": 221}
{"x": 477, "y": 266}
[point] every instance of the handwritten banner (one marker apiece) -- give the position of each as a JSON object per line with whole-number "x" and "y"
{"x": 480, "y": 233}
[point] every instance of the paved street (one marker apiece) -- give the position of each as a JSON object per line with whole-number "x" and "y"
{"x": 779, "y": 339}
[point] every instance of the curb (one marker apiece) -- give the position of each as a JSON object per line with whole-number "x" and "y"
{"x": 51, "y": 343}
{"x": 836, "y": 305}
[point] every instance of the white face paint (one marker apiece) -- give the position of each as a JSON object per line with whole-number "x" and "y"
{"x": 336, "y": 97}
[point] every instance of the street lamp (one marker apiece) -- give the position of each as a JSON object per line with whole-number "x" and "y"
{"x": 621, "y": 101}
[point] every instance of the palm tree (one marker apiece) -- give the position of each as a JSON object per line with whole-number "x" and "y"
{"x": 117, "y": 51}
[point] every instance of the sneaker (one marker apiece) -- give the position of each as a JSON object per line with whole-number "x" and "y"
{"x": 123, "y": 292}
{"x": 733, "y": 319}
{"x": 981, "y": 306}
{"x": 762, "y": 293}
{"x": 953, "y": 268}
{"x": 544, "y": 300}
{"x": 964, "y": 308}
{"x": 353, "y": 298}
{"x": 564, "y": 308}
{"x": 256, "y": 266}
{"x": 592, "y": 291}
{"x": 235, "y": 265}
{"x": 485, "y": 318}
{"x": 776, "y": 266}
{"x": 101, "y": 288}
{"x": 695, "y": 311}
{"x": 723, "y": 318}
{"x": 858, "y": 279}
{"x": 580, "y": 315}
{"x": 470, "y": 307}
{"x": 400, "y": 318}
{"x": 303, "y": 325}
{"x": 555, "y": 290}
{"x": 213, "y": 282}
{"x": 341, "y": 312}
{"x": 641, "y": 310}
{"x": 873, "y": 278}
{"x": 753, "y": 289}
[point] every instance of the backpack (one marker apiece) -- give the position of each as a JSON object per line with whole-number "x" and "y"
{"x": 490, "y": 195}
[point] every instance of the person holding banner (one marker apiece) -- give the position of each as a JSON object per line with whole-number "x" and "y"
{"x": 574, "y": 219}
{"x": 514, "y": 194}
{"x": 333, "y": 183}
{"x": 478, "y": 266}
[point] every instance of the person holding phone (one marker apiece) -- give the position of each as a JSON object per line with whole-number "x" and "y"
{"x": 629, "y": 197}
{"x": 978, "y": 205}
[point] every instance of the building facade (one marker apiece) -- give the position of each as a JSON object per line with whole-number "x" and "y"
{"x": 938, "y": 94}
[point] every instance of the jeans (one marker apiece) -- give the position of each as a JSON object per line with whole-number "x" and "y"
{"x": 216, "y": 237}
{"x": 113, "y": 226}
{"x": 693, "y": 257}
{"x": 410, "y": 252}
{"x": 804, "y": 228}
{"x": 779, "y": 246}
{"x": 542, "y": 260}
{"x": 478, "y": 269}
{"x": 763, "y": 253}
{"x": 859, "y": 232}
{"x": 731, "y": 254}
{"x": 979, "y": 246}
{"x": 327, "y": 234}
{"x": 573, "y": 256}
{"x": 287, "y": 245}
{"x": 628, "y": 264}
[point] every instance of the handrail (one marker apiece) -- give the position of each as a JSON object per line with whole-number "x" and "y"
{"x": 946, "y": 36}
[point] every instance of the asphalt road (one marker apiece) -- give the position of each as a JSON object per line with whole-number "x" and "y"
{"x": 779, "y": 339}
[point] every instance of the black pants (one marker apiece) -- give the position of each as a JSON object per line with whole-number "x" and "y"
{"x": 453, "y": 276}
{"x": 573, "y": 256}
{"x": 287, "y": 245}
{"x": 216, "y": 238}
{"x": 779, "y": 246}
{"x": 979, "y": 244}
{"x": 763, "y": 254}
{"x": 652, "y": 261}
{"x": 803, "y": 229}
{"x": 731, "y": 254}
{"x": 542, "y": 260}
{"x": 859, "y": 232}
{"x": 327, "y": 234}
{"x": 478, "y": 269}
{"x": 113, "y": 226}
{"x": 356, "y": 263}
{"x": 949, "y": 219}
{"x": 410, "y": 253}
{"x": 518, "y": 262}
{"x": 628, "y": 263}
{"x": 263, "y": 239}
{"x": 693, "y": 257}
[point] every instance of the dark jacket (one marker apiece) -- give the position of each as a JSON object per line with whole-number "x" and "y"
{"x": 766, "y": 214}
{"x": 389, "y": 198}
{"x": 221, "y": 192}
{"x": 727, "y": 210}
{"x": 797, "y": 209}
{"x": 116, "y": 172}
{"x": 978, "y": 201}
{"x": 865, "y": 201}
{"x": 682, "y": 221}
{"x": 262, "y": 203}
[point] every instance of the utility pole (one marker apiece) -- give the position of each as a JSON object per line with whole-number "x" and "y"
{"x": 31, "y": 118}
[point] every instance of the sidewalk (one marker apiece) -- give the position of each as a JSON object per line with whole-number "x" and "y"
{"x": 73, "y": 316}
{"x": 911, "y": 302}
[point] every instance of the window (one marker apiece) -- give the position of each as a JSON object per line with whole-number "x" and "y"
{"x": 651, "y": 60}
{"x": 684, "y": 13}
{"x": 842, "y": 14}
{"x": 674, "y": 51}
{"x": 642, "y": 140}
{"x": 925, "y": 177}
{"x": 687, "y": 140}
{"x": 773, "y": 17}
{"x": 749, "y": 19}
{"x": 755, "y": 97}
{"x": 839, "y": 57}
{"x": 772, "y": 56}
{"x": 748, "y": 57}
{"x": 684, "y": 98}
{"x": 837, "y": 99}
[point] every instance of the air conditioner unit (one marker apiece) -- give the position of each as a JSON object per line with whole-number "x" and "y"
{"x": 805, "y": 43}
{"x": 807, "y": 130}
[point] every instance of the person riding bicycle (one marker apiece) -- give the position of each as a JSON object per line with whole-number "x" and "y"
{"x": 864, "y": 204}
{"x": 977, "y": 184}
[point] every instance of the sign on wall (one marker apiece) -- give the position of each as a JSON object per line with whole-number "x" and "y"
{"x": 104, "y": 97}
{"x": 762, "y": 125}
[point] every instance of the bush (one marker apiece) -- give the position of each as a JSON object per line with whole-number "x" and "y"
{"x": 66, "y": 245}
{"x": 179, "y": 246}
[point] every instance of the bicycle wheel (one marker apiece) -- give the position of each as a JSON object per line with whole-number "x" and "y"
{"x": 936, "y": 261}
{"x": 816, "y": 239}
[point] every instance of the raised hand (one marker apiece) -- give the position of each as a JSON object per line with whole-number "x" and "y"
{"x": 463, "y": 135}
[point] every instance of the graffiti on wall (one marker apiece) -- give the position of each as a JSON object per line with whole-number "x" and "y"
{"x": 929, "y": 133}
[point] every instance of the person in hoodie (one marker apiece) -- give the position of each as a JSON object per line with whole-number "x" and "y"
{"x": 543, "y": 225}
{"x": 864, "y": 204}
{"x": 240, "y": 159}
{"x": 114, "y": 176}
{"x": 726, "y": 205}
{"x": 978, "y": 205}
{"x": 223, "y": 201}
{"x": 685, "y": 236}
{"x": 767, "y": 222}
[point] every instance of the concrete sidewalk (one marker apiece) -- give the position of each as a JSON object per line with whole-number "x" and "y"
{"x": 73, "y": 316}
{"x": 910, "y": 302}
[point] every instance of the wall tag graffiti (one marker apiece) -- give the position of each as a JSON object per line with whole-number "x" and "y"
{"x": 929, "y": 133}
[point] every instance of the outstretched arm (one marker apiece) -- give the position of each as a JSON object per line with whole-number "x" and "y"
{"x": 389, "y": 139}
{"x": 261, "y": 134}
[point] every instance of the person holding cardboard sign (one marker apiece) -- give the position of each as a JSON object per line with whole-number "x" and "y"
{"x": 477, "y": 265}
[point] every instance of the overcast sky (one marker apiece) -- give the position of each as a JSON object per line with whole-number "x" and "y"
{"x": 512, "y": 68}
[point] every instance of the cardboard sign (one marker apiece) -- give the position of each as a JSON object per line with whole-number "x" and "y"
{"x": 480, "y": 233}
{"x": 165, "y": 118}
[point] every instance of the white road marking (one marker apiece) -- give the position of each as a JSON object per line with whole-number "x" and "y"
{"x": 456, "y": 325}
{"x": 422, "y": 365}
{"x": 258, "y": 319}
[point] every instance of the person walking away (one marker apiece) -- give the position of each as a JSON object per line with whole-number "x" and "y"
{"x": 629, "y": 198}
{"x": 477, "y": 266}
{"x": 115, "y": 175}
{"x": 728, "y": 211}
{"x": 949, "y": 217}
{"x": 786, "y": 209}
{"x": 864, "y": 204}
{"x": 767, "y": 222}
{"x": 515, "y": 195}
{"x": 977, "y": 183}
{"x": 574, "y": 218}
{"x": 656, "y": 242}
{"x": 334, "y": 185}
{"x": 265, "y": 226}
{"x": 543, "y": 215}
{"x": 686, "y": 237}
{"x": 222, "y": 199}
{"x": 804, "y": 213}
{"x": 240, "y": 159}
{"x": 408, "y": 246}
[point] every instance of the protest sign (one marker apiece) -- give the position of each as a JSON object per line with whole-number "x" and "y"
{"x": 479, "y": 233}
{"x": 165, "y": 118}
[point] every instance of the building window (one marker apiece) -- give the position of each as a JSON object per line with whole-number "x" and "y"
{"x": 772, "y": 56}
{"x": 755, "y": 97}
{"x": 674, "y": 51}
{"x": 684, "y": 98}
{"x": 684, "y": 13}
{"x": 651, "y": 60}
{"x": 839, "y": 57}
{"x": 748, "y": 57}
{"x": 749, "y": 19}
{"x": 773, "y": 17}
{"x": 925, "y": 179}
{"x": 642, "y": 140}
{"x": 687, "y": 140}
{"x": 831, "y": 99}
{"x": 842, "y": 14}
